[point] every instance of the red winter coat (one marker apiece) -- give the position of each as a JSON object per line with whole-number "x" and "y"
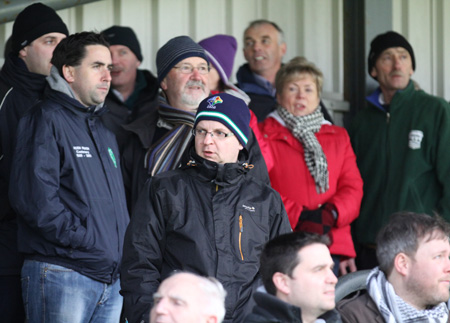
{"x": 290, "y": 176}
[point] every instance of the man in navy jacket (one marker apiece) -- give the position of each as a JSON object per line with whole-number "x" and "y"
{"x": 67, "y": 189}
{"x": 35, "y": 33}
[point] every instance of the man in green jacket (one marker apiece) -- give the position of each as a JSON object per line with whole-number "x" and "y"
{"x": 401, "y": 140}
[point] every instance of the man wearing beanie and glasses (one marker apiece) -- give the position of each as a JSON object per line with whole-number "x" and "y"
{"x": 36, "y": 32}
{"x": 160, "y": 142}
{"x": 401, "y": 140}
{"x": 134, "y": 92}
{"x": 209, "y": 217}
{"x": 161, "y": 138}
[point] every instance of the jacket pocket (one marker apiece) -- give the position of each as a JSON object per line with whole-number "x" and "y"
{"x": 241, "y": 230}
{"x": 250, "y": 231}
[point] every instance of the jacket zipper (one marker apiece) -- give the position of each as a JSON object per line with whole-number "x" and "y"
{"x": 241, "y": 229}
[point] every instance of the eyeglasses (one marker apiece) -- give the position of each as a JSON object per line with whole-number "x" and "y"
{"x": 201, "y": 133}
{"x": 188, "y": 69}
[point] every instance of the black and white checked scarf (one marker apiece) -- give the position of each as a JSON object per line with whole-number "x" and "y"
{"x": 303, "y": 128}
{"x": 394, "y": 309}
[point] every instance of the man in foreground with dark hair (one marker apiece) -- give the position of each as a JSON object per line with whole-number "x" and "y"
{"x": 297, "y": 273}
{"x": 411, "y": 284}
{"x": 68, "y": 192}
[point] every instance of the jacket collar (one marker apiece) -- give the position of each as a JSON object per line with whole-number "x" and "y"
{"x": 399, "y": 96}
{"x": 60, "y": 91}
{"x": 15, "y": 73}
{"x": 248, "y": 83}
{"x": 269, "y": 305}
{"x": 220, "y": 174}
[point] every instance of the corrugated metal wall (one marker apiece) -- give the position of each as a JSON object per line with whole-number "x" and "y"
{"x": 313, "y": 28}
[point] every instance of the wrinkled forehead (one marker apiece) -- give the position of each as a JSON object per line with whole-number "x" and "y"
{"x": 261, "y": 31}
{"x": 394, "y": 50}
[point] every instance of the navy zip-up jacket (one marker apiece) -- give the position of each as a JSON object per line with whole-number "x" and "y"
{"x": 67, "y": 189}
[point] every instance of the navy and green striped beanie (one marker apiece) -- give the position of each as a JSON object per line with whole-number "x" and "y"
{"x": 229, "y": 110}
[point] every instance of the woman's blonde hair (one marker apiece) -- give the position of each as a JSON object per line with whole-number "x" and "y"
{"x": 294, "y": 69}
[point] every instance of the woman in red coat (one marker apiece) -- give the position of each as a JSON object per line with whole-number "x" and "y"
{"x": 314, "y": 166}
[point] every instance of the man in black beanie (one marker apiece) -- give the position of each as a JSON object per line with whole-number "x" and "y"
{"x": 134, "y": 92}
{"x": 209, "y": 217}
{"x": 36, "y": 32}
{"x": 401, "y": 140}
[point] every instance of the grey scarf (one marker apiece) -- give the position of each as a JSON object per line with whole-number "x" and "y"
{"x": 303, "y": 128}
{"x": 394, "y": 309}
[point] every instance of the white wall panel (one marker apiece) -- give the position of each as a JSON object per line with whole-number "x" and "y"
{"x": 423, "y": 23}
{"x": 313, "y": 28}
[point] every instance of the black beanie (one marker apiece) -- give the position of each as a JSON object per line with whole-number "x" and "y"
{"x": 118, "y": 35}
{"x": 385, "y": 41}
{"x": 229, "y": 110}
{"x": 33, "y": 22}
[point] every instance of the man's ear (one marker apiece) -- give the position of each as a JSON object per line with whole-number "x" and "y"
{"x": 68, "y": 73}
{"x": 280, "y": 282}
{"x": 240, "y": 146}
{"x": 283, "y": 48}
{"x": 402, "y": 264}
{"x": 164, "y": 84}
{"x": 373, "y": 72}
{"x": 23, "y": 52}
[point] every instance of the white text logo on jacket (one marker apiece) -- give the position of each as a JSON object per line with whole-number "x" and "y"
{"x": 248, "y": 208}
{"x": 82, "y": 151}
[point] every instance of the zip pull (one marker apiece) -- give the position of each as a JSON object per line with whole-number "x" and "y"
{"x": 388, "y": 116}
{"x": 241, "y": 230}
{"x": 217, "y": 188}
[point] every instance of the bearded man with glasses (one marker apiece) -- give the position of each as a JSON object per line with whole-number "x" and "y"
{"x": 159, "y": 142}
{"x": 209, "y": 217}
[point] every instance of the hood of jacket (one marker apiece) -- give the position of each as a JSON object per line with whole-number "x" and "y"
{"x": 59, "y": 90}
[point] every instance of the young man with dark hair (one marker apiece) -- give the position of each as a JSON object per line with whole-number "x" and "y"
{"x": 67, "y": 190}
{"x": 412, "y": 281}
{"x": 297, "y": 273}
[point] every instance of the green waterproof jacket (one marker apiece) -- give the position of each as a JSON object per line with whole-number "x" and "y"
{"x": 404, "y": 158}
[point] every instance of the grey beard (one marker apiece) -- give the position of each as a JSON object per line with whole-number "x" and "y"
{"x": 191, "y": 100}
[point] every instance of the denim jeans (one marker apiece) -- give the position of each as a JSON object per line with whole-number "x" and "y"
{"x": 54, "y": 294}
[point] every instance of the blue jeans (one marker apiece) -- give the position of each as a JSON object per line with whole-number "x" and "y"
{"x": 57, "y": 294}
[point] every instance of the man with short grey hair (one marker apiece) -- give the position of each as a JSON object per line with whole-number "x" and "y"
{"x": 264, "y": 48}
{"x": 189, "y": 298}
{"x": 412, "y": 282}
